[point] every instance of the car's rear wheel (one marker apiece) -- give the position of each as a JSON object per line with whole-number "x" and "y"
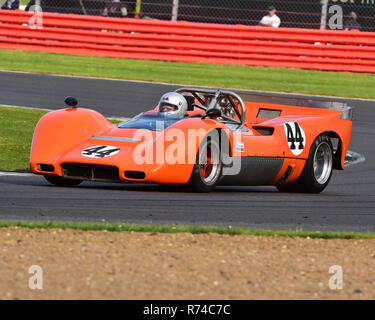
{"x": 318, "y": 168}
{"x": 60, "y": 181}
{"x": 208, "y": 166}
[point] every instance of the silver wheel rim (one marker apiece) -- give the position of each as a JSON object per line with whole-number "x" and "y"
{"x": 209, "y": 155}
{"x": 322, "y": 163}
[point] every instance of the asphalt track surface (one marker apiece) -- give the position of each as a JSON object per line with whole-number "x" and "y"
{"x": 347, "y": 204}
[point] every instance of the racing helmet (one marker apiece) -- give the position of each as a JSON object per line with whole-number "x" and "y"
{"x": 173, "y": 104}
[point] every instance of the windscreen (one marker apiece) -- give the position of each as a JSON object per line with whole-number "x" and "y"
{"x": 153, "y": 122}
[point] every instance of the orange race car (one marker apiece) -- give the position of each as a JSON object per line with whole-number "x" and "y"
{"x": 201, "y": 138}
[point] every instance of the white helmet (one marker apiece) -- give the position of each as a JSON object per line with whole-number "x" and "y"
{"x": 173, "y": 104}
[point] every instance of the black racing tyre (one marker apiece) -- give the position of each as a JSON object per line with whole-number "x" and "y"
{"x": 208, "y": 165}
{"x": 318, "y": 168}
{"x": 60, "y": 181}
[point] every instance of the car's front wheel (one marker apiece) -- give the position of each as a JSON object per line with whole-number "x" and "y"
{"x": 60, "y": 181}
{"x": 318, "y": 168}
{"x": 208, "y": 166}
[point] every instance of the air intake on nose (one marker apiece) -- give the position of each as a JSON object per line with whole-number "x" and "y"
{"x": 46, "y": 167}
{"x": 135, "y": 175}
{"x": 90, "y": 172}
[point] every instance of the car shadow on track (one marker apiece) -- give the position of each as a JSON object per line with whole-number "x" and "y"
{"x": 169, "y": 188}
{"x": 136, "y": 187}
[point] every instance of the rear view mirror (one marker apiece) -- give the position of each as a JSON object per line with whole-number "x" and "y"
{"x": 71, "y": 101}
{"x": 212, "y": 113}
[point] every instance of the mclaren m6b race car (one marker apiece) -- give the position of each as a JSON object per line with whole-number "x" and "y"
{"x": 201, "y": 138}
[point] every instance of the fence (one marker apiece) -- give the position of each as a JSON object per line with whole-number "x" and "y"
{"x": 189, "y": 42}
{"x": 293, "y": 13}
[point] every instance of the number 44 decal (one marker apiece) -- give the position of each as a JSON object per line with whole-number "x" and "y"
{"x": 100, "y": 151}
{"x": 295, "y": 136}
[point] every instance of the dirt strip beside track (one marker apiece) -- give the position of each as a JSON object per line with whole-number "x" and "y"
{"x": 129, "y": 265}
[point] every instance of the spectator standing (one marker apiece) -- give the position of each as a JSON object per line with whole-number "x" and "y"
{"x": 270, "y": 20}
{"x": 352, "y": 23}
{"x": 115, "y": 9}
{"x": 11, "y": 5}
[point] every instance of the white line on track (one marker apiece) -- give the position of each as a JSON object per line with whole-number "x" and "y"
{"x": 118, "y": 118}
{"x": 42, "y": 109}
{"x": 189, "y": 85}
{"x": 15, "y": 174}
{"x": 22, "y": 107}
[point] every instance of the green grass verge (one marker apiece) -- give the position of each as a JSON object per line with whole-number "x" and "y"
{"x": 259, "y": 78}
{"x": 16, "y": 133}
{"x": 186, "y": 229}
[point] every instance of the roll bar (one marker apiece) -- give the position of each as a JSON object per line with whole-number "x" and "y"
{"x": 215, "y": 95}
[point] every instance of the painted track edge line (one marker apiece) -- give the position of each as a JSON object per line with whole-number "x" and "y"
{"x": 23, "y": 107}
{"x": 15, "y": 174}
{"x": 45, "y": 109}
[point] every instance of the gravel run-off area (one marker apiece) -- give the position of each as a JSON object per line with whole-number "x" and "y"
{"x": 134, "y": 265}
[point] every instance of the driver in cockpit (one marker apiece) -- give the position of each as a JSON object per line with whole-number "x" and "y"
{"x": 173, "y": 104}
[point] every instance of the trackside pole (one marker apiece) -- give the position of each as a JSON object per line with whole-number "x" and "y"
{"x": 323, "y": 20}
{"x": 138, "y": 8}
{"x": 175, "y": 10}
